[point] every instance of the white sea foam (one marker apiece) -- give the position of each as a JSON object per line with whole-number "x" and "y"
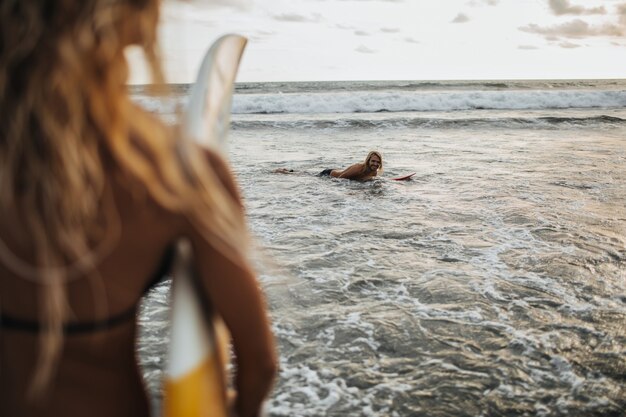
{"x": 372, "y": 102}
{"x": 320, "y": 391}
{"x": 565, "y": 371}
{"x": 403, "y": 101}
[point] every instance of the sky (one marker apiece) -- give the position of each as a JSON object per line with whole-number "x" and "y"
{"x": 316, "y": 40}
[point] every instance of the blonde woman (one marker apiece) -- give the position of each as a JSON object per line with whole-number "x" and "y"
{"x": 93, "y": 194}
{"x": 366, "y": 170}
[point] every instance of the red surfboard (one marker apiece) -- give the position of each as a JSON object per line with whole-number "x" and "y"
{"x": 404, "y": 178}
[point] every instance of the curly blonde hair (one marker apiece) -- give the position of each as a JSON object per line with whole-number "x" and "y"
{"x": 65, "y": 116}
{"x": 369, "y": 156}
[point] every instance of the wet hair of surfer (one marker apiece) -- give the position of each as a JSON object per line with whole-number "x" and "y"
{"x": 374, "y": 161}
{"x": 94, "y": 192}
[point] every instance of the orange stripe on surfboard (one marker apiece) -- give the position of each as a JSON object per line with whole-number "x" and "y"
{"x": 196, "y": 394}
{"x": 201, "y": 391}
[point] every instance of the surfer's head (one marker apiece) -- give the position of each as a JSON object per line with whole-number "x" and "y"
{"x": 374, "y": 161}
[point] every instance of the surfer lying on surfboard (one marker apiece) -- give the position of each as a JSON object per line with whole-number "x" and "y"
{"x": 363, "y": 171}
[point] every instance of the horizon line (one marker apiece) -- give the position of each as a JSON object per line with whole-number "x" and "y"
{"x": 394, "y": 80}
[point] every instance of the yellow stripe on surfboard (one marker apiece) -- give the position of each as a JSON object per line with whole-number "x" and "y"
{"x": 195, "y": 380}
{"x": 200, "y": 391}
{"x": 195, "y": 394}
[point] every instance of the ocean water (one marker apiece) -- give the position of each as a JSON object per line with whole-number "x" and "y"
{"x": 491, "y": 284}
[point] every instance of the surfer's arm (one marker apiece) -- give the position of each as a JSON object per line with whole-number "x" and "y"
{"x": 283, "y": 171}
{"x": 234, "y": 292}
{"x": 352, "y": 172}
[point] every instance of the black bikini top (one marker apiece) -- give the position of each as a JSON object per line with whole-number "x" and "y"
{"x": 13, "y": 323}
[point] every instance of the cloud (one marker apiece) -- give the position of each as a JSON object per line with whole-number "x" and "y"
{"x": 261, "y": 35}
{"x": 576, "y": 29}
{"x": 361, "y": 33}
{"x": 621, "y": 11}
{"x": 460, "y": 18}
{"x": 365, "y": 50}
{"x": 527, "y": 47}
{"x": 387, "y": 1}
{"x": 294, "y": 17}
{"x": 390, "y": 30}
{"x": 569, "y": 45}
{"x": 561, "y": 7}
{"x": 475, "y": 3}
{"x": 205, "y": 4}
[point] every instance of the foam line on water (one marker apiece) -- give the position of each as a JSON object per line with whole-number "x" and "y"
{"x": 403, "y": 101}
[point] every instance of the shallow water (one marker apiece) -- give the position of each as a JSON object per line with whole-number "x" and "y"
{"x": 492, "y": 284}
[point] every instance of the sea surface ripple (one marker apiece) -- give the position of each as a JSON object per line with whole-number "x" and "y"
{"x": 492, "y": 284}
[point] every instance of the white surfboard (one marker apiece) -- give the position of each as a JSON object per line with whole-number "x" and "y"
{"x": 195, "y": 380}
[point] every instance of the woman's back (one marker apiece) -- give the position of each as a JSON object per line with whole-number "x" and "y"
{"x": 98, "y": 358}
{"x": 97, "y": 372}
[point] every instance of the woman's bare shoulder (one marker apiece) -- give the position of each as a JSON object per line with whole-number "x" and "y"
{"x": 221, "y": 168}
